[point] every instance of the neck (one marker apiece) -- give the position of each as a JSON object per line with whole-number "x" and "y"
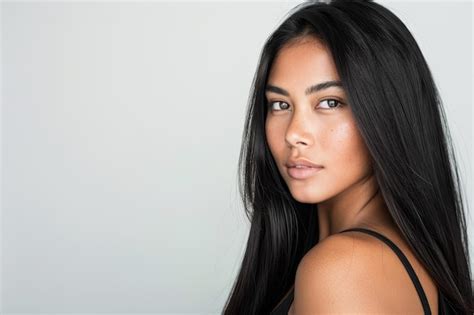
{"x": 360, "y": 205}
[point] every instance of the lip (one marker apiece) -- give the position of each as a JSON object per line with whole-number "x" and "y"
{"x": 302, "y": 173}
{"x": 303, "y": 162}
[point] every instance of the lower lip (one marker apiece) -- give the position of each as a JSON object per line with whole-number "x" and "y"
{"x": 302, "y": 173}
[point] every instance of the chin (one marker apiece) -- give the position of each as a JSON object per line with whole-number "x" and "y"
{"x": 305, "y": 195}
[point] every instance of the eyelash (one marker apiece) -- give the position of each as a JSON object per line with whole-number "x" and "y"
{"x": 340, "y": 104}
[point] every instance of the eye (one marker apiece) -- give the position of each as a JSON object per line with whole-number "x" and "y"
{"x": 332, "y": 103}
{"x": 270, "y": 104}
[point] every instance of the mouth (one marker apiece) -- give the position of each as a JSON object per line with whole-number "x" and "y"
{"x": 302, "y": 172}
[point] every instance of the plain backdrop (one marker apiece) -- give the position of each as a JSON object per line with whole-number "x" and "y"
{"x": 121, "y": 128}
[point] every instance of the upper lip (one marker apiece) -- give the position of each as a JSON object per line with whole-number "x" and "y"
{"x": 302, "y": 162}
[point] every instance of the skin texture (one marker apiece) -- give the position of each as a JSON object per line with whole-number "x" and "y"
{"x": 346, "y": 191}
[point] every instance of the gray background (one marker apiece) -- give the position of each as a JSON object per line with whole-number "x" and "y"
{"x": 121, "y": 128}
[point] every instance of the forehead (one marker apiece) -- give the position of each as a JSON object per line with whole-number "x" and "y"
{"x": 303, "y": 63}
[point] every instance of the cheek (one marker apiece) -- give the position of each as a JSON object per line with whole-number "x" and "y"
{"x": 348, "y": 150}
{"x": 273, "y": 133}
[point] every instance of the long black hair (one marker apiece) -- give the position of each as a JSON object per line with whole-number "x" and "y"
{"x": 399, "y": 112}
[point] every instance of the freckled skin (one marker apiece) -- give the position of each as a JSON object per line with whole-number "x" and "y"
{"x": 345, "y": 189}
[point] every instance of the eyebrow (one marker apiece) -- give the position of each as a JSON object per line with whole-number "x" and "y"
{"x": 309, "y": 90}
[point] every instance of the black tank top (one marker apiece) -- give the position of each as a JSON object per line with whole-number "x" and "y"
{"x": 285, "y": 305}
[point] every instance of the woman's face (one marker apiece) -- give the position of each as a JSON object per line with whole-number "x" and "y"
{"x": 317, "y": 126}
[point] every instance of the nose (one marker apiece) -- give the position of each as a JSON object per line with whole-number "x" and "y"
{"x": 299, "y": 131}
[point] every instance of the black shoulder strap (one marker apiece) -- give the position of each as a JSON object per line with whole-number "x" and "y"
{"x": 406, "y": 263}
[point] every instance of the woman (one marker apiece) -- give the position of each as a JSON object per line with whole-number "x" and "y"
{"x": 349, "y": 177}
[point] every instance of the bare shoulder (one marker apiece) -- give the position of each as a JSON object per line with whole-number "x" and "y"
{"x": 337, "y": 252}
{"x": 347, "y": 273}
